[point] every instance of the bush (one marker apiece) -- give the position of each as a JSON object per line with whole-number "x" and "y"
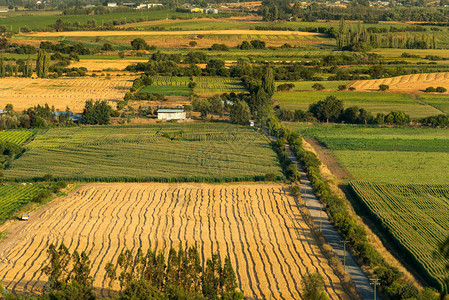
{"x": 342, "y": 87}
{"x": 285, "y": 87}
{"x": 383, "y": 87}
{"x": 193, "y": 43}
{"x": 270, "y": 177}
{"x": 441, "y": 89}
{"x": 429, "y": 89}
{"x": 42, "y": 196}
{"x": 48, "y": 177}
{"x": 318, "y": 86}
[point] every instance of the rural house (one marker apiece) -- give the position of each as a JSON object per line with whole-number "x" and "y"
{"x": 171, "y": 114}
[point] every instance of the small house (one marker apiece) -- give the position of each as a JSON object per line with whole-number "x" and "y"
{"x": 171, "y": 114}
{"x": 213, "y": 11}
{"x": 112, "y": 4}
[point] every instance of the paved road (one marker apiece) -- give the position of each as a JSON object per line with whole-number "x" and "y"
{"x": 321, "y": 219}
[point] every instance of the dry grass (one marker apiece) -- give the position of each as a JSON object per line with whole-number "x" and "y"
{"x": 258, "y": 225}
{"x": 404, "y": 84}
{"x": 104, "y": 64}
{"x": 72, "y": 92}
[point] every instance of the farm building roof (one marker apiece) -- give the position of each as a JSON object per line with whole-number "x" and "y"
{"x": 170, "y": 111}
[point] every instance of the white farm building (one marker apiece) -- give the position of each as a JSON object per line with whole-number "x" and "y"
{"x": 171, "y": 114}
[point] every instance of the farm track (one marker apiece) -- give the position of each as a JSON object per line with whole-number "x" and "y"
{"x": 259, "y": 226}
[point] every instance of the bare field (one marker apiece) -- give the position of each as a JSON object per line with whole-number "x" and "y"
{"x": 186, "y": 32}
{"x": 408, "y": 83}
{"x": 258, "y": 225}
{"x": 72, "y": 92}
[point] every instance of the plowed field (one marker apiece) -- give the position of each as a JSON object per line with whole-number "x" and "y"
{"x": 258, "y": 225}
{"x": 72, "y": 92}
{"x": 407, "y": 83}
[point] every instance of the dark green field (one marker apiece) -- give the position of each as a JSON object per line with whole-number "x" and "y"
{"x": 394, "y": 155}
{"x": 165, "y": 152}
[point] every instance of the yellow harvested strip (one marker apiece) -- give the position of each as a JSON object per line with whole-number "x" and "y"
{"x": 24, "y": 93}
{"x": 158, "y": 33}
{"x": 258, "y": 225}
{"x": 406, "y": 83}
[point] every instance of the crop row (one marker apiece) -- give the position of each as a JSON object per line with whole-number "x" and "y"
{"x": 184, "y": 152}
{"x": 14, "y": 196}
{"x": 415, "y": 217}
{"x": 16, "y": 136}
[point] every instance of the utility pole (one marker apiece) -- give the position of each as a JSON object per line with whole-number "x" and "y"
{"x": 344, "y": 255}
{"x": 375, "y": 282}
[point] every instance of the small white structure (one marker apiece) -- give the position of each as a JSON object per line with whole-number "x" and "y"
{"x": 171, "y": 114}
{"x": 213, "y": 11}
{"x": 112, "y": 4}
{"x": 251, "y": 123}
{"x": 24, "y": 217}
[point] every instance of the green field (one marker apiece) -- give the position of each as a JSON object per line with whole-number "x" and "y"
{"x": 208, "y": 85}
{"x": 163, "y": 152}
{"x": 37, "y": 19}
{"x": 415, "y": 217}
{"x": 373, "y": 102}
{"x": 383, "y": 154}
{"x": 307, "y": 85}
{"x": 439, "y": 101}
{"x": 14, "y": 196}
{"x": 18, "y": 137}
{"x": 205, "y": 86}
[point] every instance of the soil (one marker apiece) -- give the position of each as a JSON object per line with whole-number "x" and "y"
{"x": 258, "y": 225}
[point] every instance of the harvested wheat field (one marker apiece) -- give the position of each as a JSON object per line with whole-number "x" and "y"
{"x": 72, "y": 92}
{"x": 406, "y": 84}
{"x": 105, "y": 64}
{"x": 258, "y": 225}
{"x": 186, "y": 32}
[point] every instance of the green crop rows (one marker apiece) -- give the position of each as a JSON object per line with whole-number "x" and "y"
{"x": 415, "y": 216}
{"x": 165, "y": 152}
{"x": 218, "y": 85}
{"x": 383, "y": 154}
{"x": 14, "y": 196}
{"x": 16, "y": 136}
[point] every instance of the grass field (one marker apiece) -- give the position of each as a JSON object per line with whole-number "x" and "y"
{"x": 35, "y": 20}
{"x": 416, "y": 217}
{"x": 14, "y": 196}
{"x": 165, "y": 152}
{"x": 258, "y": 226}
{"x": 168, "y": 90}
{"x": 307, "y": 85}
{"x": 395, "y": 155}
{"x": 213, "y": 85}
{"x": 375, "y": 102}
{"x": 439, "y": 101}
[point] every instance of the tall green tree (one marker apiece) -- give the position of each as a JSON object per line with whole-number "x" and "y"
{"x": 312, "y": 287}
{"x": 240, "y": 113}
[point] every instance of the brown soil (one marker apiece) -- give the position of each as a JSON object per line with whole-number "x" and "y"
{"x": 258, "y": 225}
{"x": 23, "y": 93}
{"x": 104, "y": 64}
{"x": 329, "y": 159}
{"x": 414, "y": 83}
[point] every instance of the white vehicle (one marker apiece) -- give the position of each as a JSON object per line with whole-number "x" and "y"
{"x": 24, "y": 217}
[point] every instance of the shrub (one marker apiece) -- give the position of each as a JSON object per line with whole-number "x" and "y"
{"x": 270, "y": 177}
{"x": 42, "y": 196}
{"x": 351, "y": 88}
{"x": 429, "y": 89}
{"x": 48, "y": 177}
{"x": 193, "y": 43}
{"x": 383, "y": 87}
{"x": 342, "y": 87}
{"x": 285, "y": 87}
{"x": 441, "y": 89}
{"x": 318, "y": 86}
